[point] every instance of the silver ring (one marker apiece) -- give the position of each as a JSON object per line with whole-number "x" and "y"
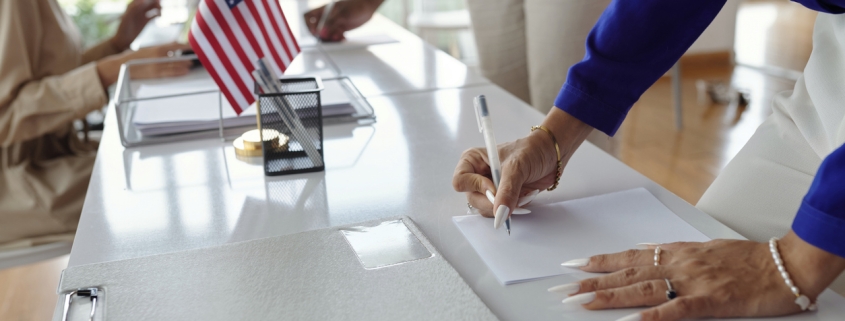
{"x": 657, "y": 252}
{"x": 670, "y": 293}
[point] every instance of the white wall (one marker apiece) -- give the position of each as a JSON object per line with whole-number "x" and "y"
{"x": 719, "y": 36}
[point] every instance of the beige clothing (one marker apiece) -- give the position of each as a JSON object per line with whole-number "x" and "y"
{"x": 46, "y": 81}
{"x": 527, "y": 46}
{"x": 759, "y": 191}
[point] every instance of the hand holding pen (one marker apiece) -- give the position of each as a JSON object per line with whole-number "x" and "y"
{"x": 528, "y": 165}
{"x": 483, "y": 183}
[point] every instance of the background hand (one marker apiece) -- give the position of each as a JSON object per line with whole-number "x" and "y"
{"x": 344, "y": 16}
{"x": 109, "y": 67}
{"x": 159, "y": 70}
{"x": 138, "y": 13}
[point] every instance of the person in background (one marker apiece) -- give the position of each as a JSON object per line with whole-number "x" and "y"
{"x": 524, "y": 46}
{"x": 788, "y": 180}
{"x": 47, "y": 81}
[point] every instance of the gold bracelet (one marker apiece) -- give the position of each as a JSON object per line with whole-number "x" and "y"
{"x": 557, "y": 149}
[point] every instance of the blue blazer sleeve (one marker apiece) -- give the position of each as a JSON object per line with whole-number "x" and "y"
{"x": 631, "y": 46}
{"x": 821, "y": 218}
{"x": 828, "y": 6}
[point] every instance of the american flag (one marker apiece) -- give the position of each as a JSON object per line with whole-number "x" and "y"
{"x": 229, "y": 36}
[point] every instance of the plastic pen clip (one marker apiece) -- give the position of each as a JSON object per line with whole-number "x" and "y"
{"x": 480, "y": 104}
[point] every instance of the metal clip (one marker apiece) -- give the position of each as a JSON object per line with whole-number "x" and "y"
{"x": 92, "y": 293}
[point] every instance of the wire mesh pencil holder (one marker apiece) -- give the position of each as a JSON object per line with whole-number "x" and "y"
{"x": 296, "y": 112}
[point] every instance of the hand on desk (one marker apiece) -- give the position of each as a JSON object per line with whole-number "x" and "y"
{"x": 720, "y": 278}
{"x": 344, "y": 16}
{"x": 528, "y": 164}
{"x": 109, "y": 67}
{"x": 138, "y": 13}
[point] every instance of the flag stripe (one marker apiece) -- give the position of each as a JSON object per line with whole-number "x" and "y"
{"x": 240, "y": 66}
{"x": 265, "y": 31}
{"x": 246, "y": 62}
{"x": 275, "y": 28}
{"x": 225, "y": 63}
{"x": 281, "y": 21}
{"x": 229, "y": 36}
{"x": 212, "y": 63}
{"x": 259, "y": 36}
{"x": 242, "y": 38}
{"x": 212, "y": 71}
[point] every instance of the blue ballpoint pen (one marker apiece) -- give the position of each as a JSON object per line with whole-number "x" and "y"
{"x": 485, "y": 126}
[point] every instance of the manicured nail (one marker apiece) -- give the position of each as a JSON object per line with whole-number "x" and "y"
{"x": 568, "y": 288}
{"x": 646, "y": 246}
{"x": 631, "y": 317}
{"x": 501, "y": 214}
{"x": 582, "y": 298}
{"x": 521, "y": 211}
{"x": 490, "y": 196}
{"x": 576, "y": 263}
{"x": 527, "y": 198}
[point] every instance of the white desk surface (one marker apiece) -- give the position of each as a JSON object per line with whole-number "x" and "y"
{"x": 179, "y": 196}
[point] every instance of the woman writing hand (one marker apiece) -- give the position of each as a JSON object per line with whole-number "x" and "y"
{"x": 528, "y": 164}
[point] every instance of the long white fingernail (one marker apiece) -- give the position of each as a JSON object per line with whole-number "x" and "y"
{"x": 582, "y": 298}
{"x": 631, "y": 317}
{"x": 521, "y": 211}
{"x": 527, "y": 198}
{"x": 576, "y": 263}
{"x": 568, "y": 288}
{"x": 501, "y": 214}
{"x": 490, "y": 196}
{"x": 646, "y": 246}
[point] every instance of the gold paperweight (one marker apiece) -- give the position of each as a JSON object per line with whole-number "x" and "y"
{"x": 252, "y": 138}
{"x": 250, "y": 143}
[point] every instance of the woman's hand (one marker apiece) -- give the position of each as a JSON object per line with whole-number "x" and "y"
{"x": 138, "y": 13}
{"x": 528, "y": 164}
{"x": 344, "y": 16}
{"x": 720, "y": 278}
{"x": 109, "y": 67}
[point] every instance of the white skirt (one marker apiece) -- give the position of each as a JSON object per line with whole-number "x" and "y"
{"x": 758, "y": 193}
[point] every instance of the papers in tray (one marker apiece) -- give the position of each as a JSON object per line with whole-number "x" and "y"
{"x": 195, "y": 112}
{"x": 555, "y": 233}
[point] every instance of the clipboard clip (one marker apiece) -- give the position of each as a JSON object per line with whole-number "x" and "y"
{"x": 92, "y": 293}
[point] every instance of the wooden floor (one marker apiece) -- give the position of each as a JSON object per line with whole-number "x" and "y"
{"x": 28, "y": 293}
{"x": 772, "y": 35}
{"x": 774, "y": 40}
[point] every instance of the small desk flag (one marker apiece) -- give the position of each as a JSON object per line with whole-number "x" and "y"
{"x": 229, "y": 36}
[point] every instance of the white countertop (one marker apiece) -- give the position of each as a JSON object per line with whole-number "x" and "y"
{"x": 188, "y": 195}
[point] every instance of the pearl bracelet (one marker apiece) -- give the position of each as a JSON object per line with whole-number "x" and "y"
{"x": 801, "y": 300}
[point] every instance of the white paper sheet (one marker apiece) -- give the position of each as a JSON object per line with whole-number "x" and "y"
{"x": 200, "y": 112}
{"x": 555, "y": 233}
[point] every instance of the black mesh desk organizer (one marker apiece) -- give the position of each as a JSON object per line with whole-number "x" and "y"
{"x": 302, "y": 95}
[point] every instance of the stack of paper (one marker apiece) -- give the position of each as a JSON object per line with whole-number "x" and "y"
{"x": 555, "y": 233}
{"x": 188, "y": 113}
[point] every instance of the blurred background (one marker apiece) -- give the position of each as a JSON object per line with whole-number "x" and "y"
{"x": 754, "y": 49}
